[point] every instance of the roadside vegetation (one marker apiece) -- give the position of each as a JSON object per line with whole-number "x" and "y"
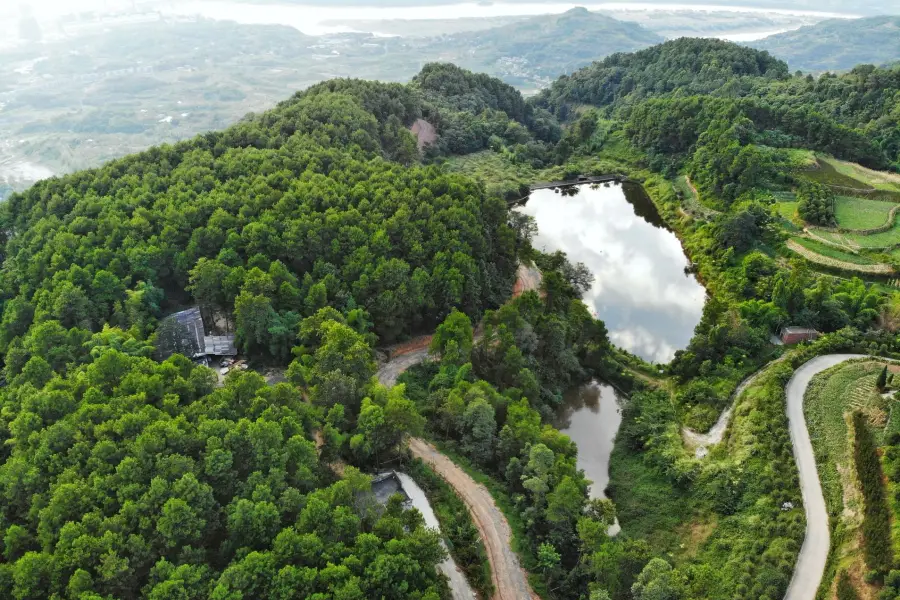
{"x": 831, "y": 403}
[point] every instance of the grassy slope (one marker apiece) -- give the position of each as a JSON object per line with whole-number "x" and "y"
{"x": 830, "y": 397}
{"x": 877, "y": 179}
{"x": 859, "y": 213}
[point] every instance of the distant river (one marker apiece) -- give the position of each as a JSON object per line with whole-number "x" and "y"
{"x": 320, "y": 20}
{"x": 641, "y": 291}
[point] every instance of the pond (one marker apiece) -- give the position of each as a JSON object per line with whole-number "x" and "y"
{"x": 591, "y": 416}
{"x": 641, "y": 289}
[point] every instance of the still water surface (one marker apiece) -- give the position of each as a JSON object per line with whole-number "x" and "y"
{"x": 591, "y": 416}
{"x": 641, "y": 290}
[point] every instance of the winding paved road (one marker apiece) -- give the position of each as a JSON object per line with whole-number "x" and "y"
{"x": 817, "y": 542}
{"x": 813, "y": 556}
{"x": 702, "y": 441}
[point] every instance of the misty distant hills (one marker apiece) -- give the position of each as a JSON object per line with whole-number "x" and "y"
{"x": 550, "y": 45}
{"x": 837, "y": 44}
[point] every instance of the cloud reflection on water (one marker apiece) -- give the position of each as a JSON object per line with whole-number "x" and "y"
{"x": 640, "y": 291}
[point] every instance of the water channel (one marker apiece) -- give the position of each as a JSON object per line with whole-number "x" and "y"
{"x": 388, "y": 484}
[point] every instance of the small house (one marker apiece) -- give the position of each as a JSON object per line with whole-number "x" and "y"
{"x": 203, "y": 344}
{"x": 795, "y": 335}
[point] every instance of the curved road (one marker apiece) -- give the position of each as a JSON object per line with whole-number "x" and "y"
{"x": 813, "y": 555}
{"x": 702, "y": 441}
{"x": 509, "y": 578}
{"x": 817, "y": 542}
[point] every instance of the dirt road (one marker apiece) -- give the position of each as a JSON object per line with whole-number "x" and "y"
{"x": 394, "y": 368}
{"x": 410, "y": 354}
{"x": 510, "y": 580}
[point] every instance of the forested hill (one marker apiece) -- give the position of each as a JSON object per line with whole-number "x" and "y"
{"x": 689, "y": 65}
{"x": 301, "y": 207}
{"x": 672, "y": 93}
{"x": 837, "y": 44}
{"x": 313, "y": 232}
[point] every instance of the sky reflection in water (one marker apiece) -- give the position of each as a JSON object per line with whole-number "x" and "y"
{"x": 640, "y": 291}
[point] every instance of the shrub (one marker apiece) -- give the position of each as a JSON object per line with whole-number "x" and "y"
{"x": 876, "y": 516}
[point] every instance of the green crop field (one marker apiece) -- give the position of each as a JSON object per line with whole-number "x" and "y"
{"x": 831, "y": 394}
{"x": 830, "y": 398}
{"x": 788, "y": 210}
{"x": 834, "y": 253}
{"x": 859, "y": 213}
{"x": 877, "y": 179}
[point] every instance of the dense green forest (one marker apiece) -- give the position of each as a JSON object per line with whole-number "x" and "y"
{"x": 318, "y": 231}
{"x": 312, "y": 233}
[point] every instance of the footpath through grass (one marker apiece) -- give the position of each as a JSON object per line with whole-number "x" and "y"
{"x": 833, "y": 253}
{"x": 874, "y": 241}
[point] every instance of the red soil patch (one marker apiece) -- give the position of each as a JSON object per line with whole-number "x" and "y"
{"x": 413, "y": 345}
{"x": 424, "y": 132}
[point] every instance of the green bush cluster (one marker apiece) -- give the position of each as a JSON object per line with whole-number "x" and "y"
{"x": 817, "y": 203}
{"x": 876, "y": 527}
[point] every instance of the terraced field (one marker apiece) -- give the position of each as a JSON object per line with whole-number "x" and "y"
{"x": 856, "y": 241}
{"x": 860, "y": 213}
{"x": 828, "y": 174}
{"x": 827, "y": 256}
